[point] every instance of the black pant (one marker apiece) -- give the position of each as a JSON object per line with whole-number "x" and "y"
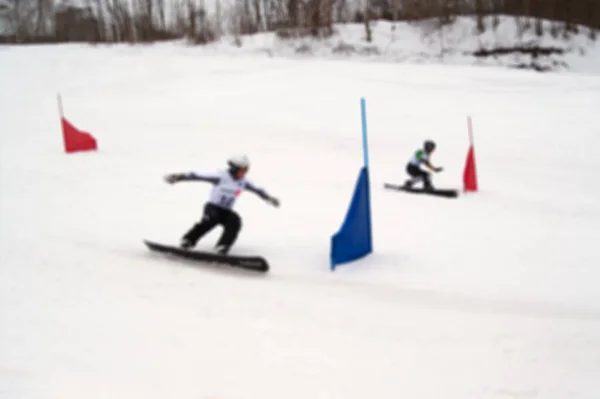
{"x": 419, "y": 174}
{"x": 213, "y": 216}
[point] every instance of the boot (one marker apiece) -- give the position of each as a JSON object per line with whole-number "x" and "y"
{"x": 221, "y": 249}
{"x": 186, "y": 243}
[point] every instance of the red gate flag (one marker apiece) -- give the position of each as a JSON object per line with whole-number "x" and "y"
{"x": 75, "y": 139}
{"x": 470, "y": 172}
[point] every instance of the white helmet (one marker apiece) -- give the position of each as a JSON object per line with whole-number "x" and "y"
{"x": 238, "y": 162}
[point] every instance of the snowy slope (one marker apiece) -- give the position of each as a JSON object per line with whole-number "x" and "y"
{"x": 425, "y": 42}
{"x": 492, "y": 295}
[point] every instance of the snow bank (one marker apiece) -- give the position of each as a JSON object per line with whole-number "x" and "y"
{"x": 426, "y": 42}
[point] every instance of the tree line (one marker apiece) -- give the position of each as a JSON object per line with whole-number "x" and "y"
{"x": 139, "y": 21}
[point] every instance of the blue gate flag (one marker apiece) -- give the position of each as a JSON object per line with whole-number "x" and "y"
{"x": 354, "y": 240}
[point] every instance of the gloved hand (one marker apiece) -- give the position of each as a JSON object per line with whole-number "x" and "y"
{"x": 439, "y": 169}
{"x": 173, "y": 178}
{"x": 273, "y": 201}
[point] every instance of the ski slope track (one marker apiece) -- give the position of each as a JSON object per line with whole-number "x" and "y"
{"x": 491, "y": 295}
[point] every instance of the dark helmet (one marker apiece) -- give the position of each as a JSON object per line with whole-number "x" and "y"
{"x": 429, "y": 146}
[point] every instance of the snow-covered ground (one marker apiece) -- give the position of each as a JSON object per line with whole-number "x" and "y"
{"x": 456, "y": 43}
{"x": 506, "y": 41}
{"x": 491, "y": 295}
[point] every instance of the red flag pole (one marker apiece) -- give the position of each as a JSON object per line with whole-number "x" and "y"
{"x": 60, "y": 107}
{"x": 470, "y": 124}
{"x": 62, "y": 121}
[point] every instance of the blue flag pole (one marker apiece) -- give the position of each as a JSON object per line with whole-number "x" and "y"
{"x": 363, "y": 114}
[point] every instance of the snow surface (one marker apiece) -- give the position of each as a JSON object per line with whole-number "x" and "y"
{"x": 417, "y": 42}
{"x": 425, "y": 42}
{"x": 492, "y": 295}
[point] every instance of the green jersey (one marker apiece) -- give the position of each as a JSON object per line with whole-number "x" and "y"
{"x": 419, "y": 157}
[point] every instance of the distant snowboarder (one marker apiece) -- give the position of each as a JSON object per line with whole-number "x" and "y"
{"x": 413, "y": 168}
{"x": 218, "y": 210}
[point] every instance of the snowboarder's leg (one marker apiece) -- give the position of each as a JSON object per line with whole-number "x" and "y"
{"x": 209, "y": 220}
{"x": 232, "y": 224}
{"x": 415, "y": 174}
{"x": 409, "y": 170}
{"x": 426, "y": 177}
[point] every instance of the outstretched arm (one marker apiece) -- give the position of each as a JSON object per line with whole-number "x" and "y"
{"x": 431, "y": 167}
{"x": 192, "y": 176}
{"x": 262, "y": 193}
{"x": 421, "y": 156}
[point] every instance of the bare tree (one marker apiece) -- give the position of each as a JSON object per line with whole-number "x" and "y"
{"x": 367, "y": 19}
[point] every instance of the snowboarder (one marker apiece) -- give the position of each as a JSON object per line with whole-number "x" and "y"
{"x": 413, "y": 168}
{"x": 218, "y": 210}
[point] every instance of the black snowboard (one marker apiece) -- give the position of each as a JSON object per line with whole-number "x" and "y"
{"x": 447, "y": 193}
{"x": 255, "y": 263}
